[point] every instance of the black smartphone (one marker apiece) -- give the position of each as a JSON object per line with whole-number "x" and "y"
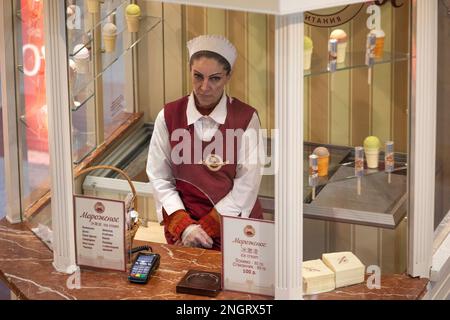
{"x": 143, "y": 267}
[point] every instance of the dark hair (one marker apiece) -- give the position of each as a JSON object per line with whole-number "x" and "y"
{"x": 211, "y": 55}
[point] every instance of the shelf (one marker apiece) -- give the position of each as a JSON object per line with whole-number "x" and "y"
{"x": 82, "y": 97}
{"x": 79, "y": 155}
{"x": 77, "y": 104}
{"x": 380, "y": 204}
{"x": 82, "y": 93}
{"x": 148, "y": 23}
{"x": 343, "y": 157}
{"x": 80, "y": 38}
{"x": 400, "y": 168}
{"x": 352, "y": 61}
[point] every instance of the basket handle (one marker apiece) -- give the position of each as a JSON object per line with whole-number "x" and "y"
{"x": 133, "y": 189}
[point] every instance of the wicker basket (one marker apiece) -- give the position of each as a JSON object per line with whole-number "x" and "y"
{"x": 129, "y": 234}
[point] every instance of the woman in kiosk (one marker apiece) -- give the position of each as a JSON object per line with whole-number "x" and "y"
{"x": 203, "y": 155}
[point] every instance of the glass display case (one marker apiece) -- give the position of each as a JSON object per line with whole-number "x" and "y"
{"x": 32, "y": 126}
{"x": 101, "y": 70}
{"x": 342, "y": 98}
{"x": 100, "y": 85}
{"x": 362, "y": 98}
{"x": 342, "y": 108}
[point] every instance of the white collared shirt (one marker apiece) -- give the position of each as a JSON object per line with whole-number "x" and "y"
{"x": 240, "y": 200}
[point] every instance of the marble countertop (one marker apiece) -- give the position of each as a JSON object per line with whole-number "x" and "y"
{"x": 26, "y": 268}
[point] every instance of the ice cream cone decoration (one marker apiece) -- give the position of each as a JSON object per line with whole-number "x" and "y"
{"x": 323, "y": 160}
{"x": 341, "y": 38}
{"x": 307, "y": 53}
{"x": 379, "y": 44}
{"x": 372, "y": 149}
{"x": 133, "y": 15}
{"x": 109, "y": 37}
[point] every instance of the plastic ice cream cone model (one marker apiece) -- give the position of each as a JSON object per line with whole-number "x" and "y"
{"x": 133, "y": 14}
{"x": 372, "y": 149}
{"x": 93, "y": 6}
{"x": 71, "y": 13}
{"x": 307, "y": 53}
{"x": 341, "y": 37}
{"x": 81, "y": 58}
{"x": 72, "y": 71}
{"x": 379, "y": 45}
{"x": 323, "y": 161}
{"x": 109, "y": 36}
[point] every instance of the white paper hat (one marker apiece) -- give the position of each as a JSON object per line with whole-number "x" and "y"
{"x": 214, "y": 43}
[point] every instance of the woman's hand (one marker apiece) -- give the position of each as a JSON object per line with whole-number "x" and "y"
{"x": 195, "y": 236}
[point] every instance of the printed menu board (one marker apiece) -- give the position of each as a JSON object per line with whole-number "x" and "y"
{"x": 100, "y": 233}
{"x": 248, "y": 255}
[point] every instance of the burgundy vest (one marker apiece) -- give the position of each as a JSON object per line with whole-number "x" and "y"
{"x": 199, "y": 187}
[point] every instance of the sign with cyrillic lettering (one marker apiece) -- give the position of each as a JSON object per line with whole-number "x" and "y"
{"x": 248, "y": 255}
{"x": 100, "y": 233}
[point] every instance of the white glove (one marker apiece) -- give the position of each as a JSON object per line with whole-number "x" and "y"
{"x": 195, "y": 236}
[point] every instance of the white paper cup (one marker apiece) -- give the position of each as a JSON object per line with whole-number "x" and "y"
{"x": 307, "y": 54}
{"x": 341, "y": 52}
{"x": 372, "y": 157}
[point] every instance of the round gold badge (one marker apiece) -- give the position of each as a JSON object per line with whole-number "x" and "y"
{"x": 214, "y": 162}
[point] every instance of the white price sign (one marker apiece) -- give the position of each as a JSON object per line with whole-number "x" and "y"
{"x": 248, "y": 252}
{"x": 100, "y": 233}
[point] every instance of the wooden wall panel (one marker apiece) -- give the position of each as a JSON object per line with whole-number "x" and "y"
{"x": 387, "y": 24}
{"x": 367, "y": 245}
{"x": 381, "y": 102}
{"x": 151, "y": 71}
{"x": 401, "y": 43}
{"x": 341, "y": 237}
{"x": 195, "y": 25}
{"x": 319, "y": 92}
{"x": 174, "y": 59}
{"x": 317, "y": 230}
{"x": 216, "y": 21}
{"x": 196, "y": 22}
{"x": 361, "y": 95}
{"x": 340, "y": 109}
{"x": 257, "y": 66}
{"x": 237, "y": 34}
{"x": 382, "y": 84}
{"x": 340, "y": 103}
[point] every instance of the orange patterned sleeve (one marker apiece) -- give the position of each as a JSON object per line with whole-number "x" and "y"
{"x": 211, "y": 223}
{"x": 177, "y": 222}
